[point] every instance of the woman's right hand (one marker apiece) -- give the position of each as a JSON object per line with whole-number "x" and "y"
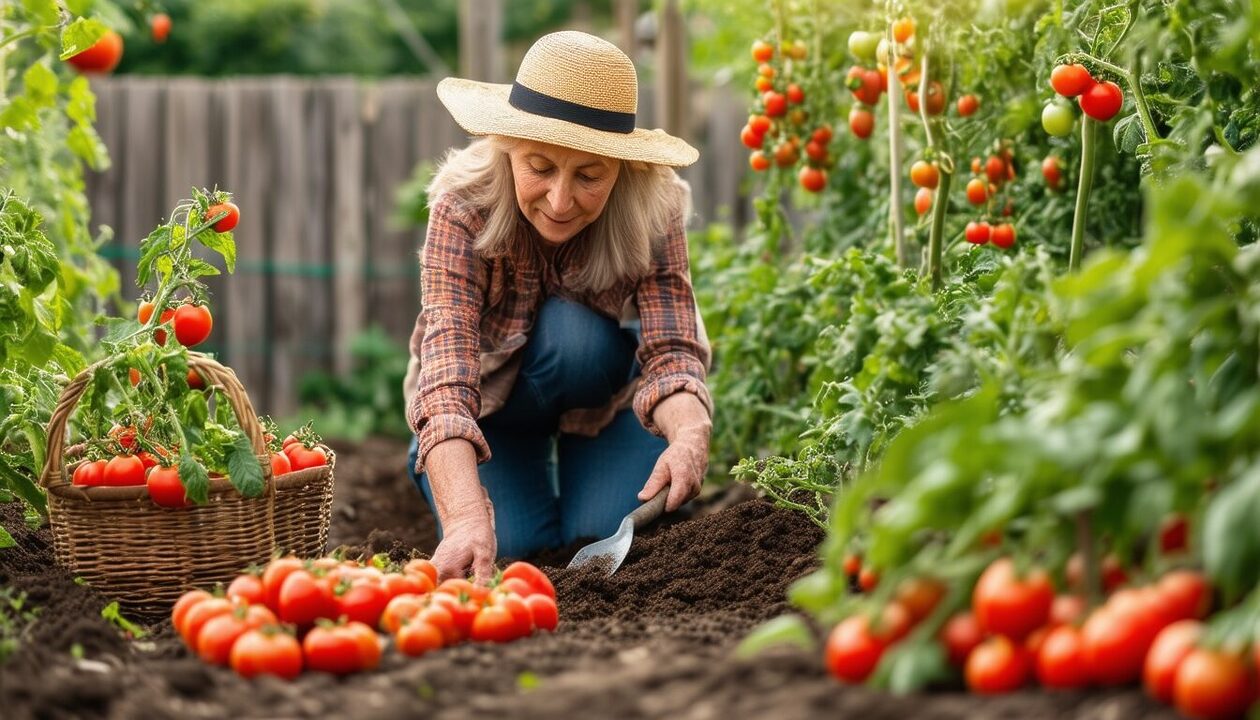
{"x": 468, "y": 542}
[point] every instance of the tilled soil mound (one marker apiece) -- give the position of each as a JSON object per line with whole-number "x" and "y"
{"x": 652, "y": 641}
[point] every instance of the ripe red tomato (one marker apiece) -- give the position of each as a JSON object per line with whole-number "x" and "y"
{"x": 1173, "y": 533}
{"x": 861, "y": 122}
{"x": 1052, "y": 171}
{"x": 194, "y": 380}
{"x": 273, "y": 578}
{"x": 751, "y": 138}
{"x": 369, "y": 644}
{"x": 765, "y": 70}
{"x": 864, "y": 84}
{"x": 165, "y": 487}
{"x": 269, "y": 651}
{"x": 852, "y": 650}
{"x": 1102, "y": 101}
{"x": 543, "y": 612}
{"x": 303, "y": 599}
{"x": 815, "y": 151}
{"x": 935, "y": 98}
{"x": 1171, "y": 646}
{"x": 280, "y": 464}
{"x": 812, "y": 179}
{"x": 1071, "y": 80}
{"x": 758, "y": 161}
{"x": 822, "y": 135}
{"x": 763, "y": 84}
{"x": 159, "y": 336}
{"x": 439, "y": 616}
{"x": 1186, "y": 594}
{"x": 200, "y": 613}
{"x": 852, "y": 564}
{"x": 229, "y": 221}
{"x": 192, "y": 324}
{"x": 924, "y": 174}
{"x": 396, "y": 584}
{"x": 977, "y": 191}
{"x": 995, "y": 169}
{"x": 903, "y": 29}
{"x": 530, "y": 573}
{"x": 333, "y": 650}
{"x": 868, "y": 579}
{"x": 179, "y": 611}
{"x": 248, "y": 587}
{"x": 977, "y": 233}
{"x": 1117, "y": 637}
{"x": 1006, "y": 604}
{"x": 960, "y": 635}
{"x": 762, "y": 51}
{"x": 363, "y": 602}
{"x": 160, "y": 24}
{"x": 214, "y": 642}
{"x": 1213, "y": 684}
{"x": 1059, "y": 659}
{"x": 998, "y": 665}
{"x": 123, "y": 470}
{"x": 1003, "y": 235}
{"x": 785, "y": 154}
{"x": 421, "y": 566}
{"x": 776, "y": 103}
{"x": 89, "y": 474}
{"x": 494, "y": 623}
{"x": 302, "y": 457}
{"x": 923, "y": 200}
{"x": 399, "y": 610}
{"x": 144, "y": 312}
{"x": 968, "y": 105}
{"x": 418, "y": 637}
{"x": 101, "y": 57}
{"x": 919, "y": 596}
{"x": 760, "y": 124}
{"x": 795, "y": 94}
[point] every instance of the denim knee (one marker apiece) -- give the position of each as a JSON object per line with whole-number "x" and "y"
{"x": 576, "y": 355}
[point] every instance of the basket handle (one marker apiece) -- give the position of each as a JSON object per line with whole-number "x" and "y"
{"x": 54, "y": 472}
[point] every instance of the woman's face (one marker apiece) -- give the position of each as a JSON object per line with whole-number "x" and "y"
{"x": 560, "y": 191}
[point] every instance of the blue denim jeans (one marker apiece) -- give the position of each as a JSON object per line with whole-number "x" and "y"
{"x": 551, "y": 488}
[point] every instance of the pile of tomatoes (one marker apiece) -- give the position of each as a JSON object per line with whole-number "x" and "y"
{"x": 1018, "y": 630}
{"x": 324, "y": 615}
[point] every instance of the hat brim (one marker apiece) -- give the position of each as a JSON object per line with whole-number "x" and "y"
{"x": 483, "y": 109}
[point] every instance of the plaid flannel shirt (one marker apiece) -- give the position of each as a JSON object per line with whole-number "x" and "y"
{"x": 476, "y": 315}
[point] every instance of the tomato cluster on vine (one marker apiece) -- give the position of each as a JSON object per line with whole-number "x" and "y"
{"x": 774, "y": 131}
{"x": 985, "y": 190}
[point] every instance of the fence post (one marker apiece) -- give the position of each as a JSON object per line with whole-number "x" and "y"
{"x": 481, "y": 40}
{"x": 671, "y": 71}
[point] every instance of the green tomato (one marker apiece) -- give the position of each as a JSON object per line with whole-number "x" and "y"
{"x": 1057, "y": 119}
{"x": 862, "y": 44}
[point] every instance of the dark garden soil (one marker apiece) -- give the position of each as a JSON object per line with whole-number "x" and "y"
{"x": 653, "y": 641}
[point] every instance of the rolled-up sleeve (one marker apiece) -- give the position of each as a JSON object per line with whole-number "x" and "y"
{"x": 447, "y": 400}
{"x": 671, "y": 349}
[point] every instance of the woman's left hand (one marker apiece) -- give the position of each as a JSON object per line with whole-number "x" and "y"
{"x": 682, "y": 467}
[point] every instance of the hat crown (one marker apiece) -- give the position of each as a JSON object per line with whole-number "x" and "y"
{"x": 581, "y": 69}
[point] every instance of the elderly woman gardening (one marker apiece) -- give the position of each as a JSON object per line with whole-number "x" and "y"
{"x": 558, "y": 361}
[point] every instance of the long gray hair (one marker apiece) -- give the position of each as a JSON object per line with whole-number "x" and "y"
{"x": 644, "y": 201}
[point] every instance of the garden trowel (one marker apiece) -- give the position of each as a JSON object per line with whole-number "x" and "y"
{"x": 612, "y": 551}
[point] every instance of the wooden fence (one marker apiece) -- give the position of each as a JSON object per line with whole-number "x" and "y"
{"x": 314, "y": 165}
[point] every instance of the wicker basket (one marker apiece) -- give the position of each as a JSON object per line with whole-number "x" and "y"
{"x": 144, "y": 555}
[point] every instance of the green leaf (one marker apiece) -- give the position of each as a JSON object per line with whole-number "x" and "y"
{"x": 193, "y": 475}
{"x": 243, "y": 468}
{"x": 154, "y": 246}
{"x": 913, "y": 666}
{"x": 1231, "y": 542}
{"x": 84, "y": 142}
{"x": 21, "y": 481}
{"x": 117, "y": 328}
{"x": 1129, "y": 134}
{"x": 6, "y": 540}
{"x": 80, "y": 35}
{"x": 200, "y": 268}
{"x": 20, "y": 115}
{"x": 70, "y": 361}
{"x": 43, "y": 12}
{"x": 223, "y": 244}
{"x": 113, "y": 614}
{"x": 41, "y": 85}
{"x": 783, "y": 630}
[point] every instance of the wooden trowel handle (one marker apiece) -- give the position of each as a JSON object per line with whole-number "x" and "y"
{"x": 650, "y": 510}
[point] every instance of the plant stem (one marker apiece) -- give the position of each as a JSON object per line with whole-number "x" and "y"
{"x": 1090, "y": 566}
{"x": 894, "y": 149}
{"x": 946, "y": 165}
{"x": 1082, "y": 193}
{"x": 1139, "y": 100}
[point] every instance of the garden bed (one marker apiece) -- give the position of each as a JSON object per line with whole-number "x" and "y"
{"x": 654, "y": 640}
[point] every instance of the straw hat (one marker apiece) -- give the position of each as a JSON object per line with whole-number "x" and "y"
{"x": 574, "y": 90}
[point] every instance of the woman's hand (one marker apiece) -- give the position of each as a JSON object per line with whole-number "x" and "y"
{"x": 467, "y": 542}
{"x": 681, "y": 467}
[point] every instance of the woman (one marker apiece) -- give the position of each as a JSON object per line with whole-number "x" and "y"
{"x": 558, "y": 362}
